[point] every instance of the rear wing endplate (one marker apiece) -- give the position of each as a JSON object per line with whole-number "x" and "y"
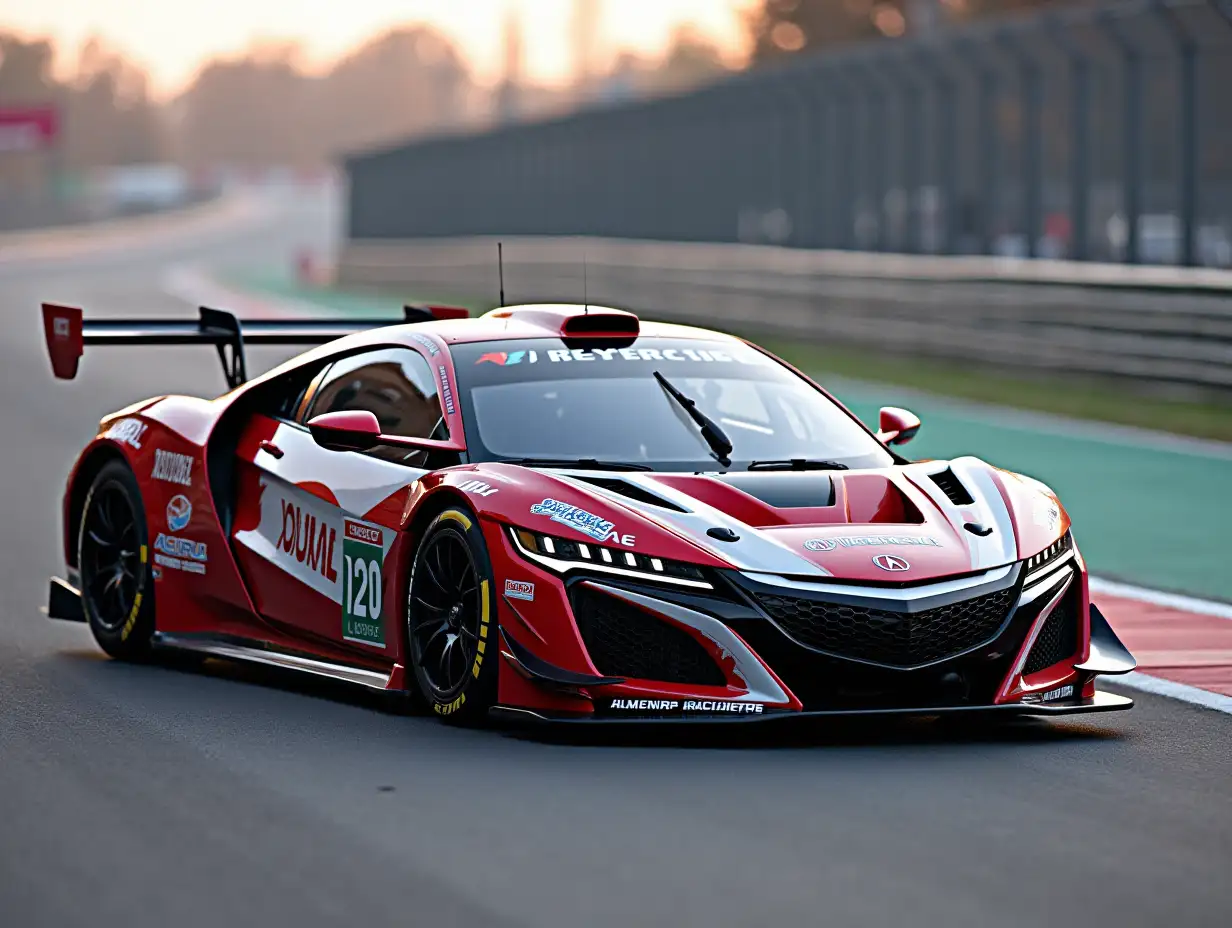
{"x": 67, "y": 333}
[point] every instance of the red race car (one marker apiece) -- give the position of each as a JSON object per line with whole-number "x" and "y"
{"x": 561, "y": 513}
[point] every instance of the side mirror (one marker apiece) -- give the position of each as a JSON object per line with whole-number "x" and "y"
{"x": 897, "y": 426}
{"x": 346, "y": 430}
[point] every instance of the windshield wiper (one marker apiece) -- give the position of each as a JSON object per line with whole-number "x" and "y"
{"x": 581, "y": 463}
{"x": 797, "y": 464}
{"x": 712, "y": 432}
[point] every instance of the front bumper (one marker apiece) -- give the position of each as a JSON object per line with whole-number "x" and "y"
{"x": 1037, "y": 652}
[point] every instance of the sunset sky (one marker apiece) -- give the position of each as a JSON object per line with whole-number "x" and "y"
{"x": 171, "y": 39}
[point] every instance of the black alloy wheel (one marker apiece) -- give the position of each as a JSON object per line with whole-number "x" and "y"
{"x": 112, "y": 555}
{"x": 451, "y": 618}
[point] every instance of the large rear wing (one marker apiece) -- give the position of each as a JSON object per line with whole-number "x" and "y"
{"x": 67, "y": 333}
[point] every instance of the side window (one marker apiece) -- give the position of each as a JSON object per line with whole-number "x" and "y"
{"x": 394, "y": 384}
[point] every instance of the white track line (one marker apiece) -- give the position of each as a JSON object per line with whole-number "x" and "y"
{"x": 1185, "y": 693}
{"x": 1158, "y": 598}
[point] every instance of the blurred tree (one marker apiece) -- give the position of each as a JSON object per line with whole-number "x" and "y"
{"x": 109, "y": 118}
{"x": 106, "y": 118}
{"x": 692, "y": 60}
{"x": 264, "y": 108}
{"x": 25, "y": 71}
{"x": 245, "y": 111}
{"x": 403, "y": 83}
{"x": 783, "y": 27}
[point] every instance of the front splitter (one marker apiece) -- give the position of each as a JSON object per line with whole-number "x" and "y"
{"x": 1100, "y": 702}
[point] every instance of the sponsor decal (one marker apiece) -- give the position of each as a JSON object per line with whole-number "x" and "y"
{"x": 505, "y": 358}
{"x": 311, "y": 541}
{"x": 179, "y": 512}
{"x": 127, "y": 432}
{"x": 870, "y": 541}
{"x": 180, "y": 554}
{"x": 699, "y": 706}
{"x": 520, "y": 589}
{"x": 559, "y": 355}
{"x": 363, "y": 557}
{"x": 304, "y": 536}
{"x": 891, "y": 562}
{"x": 60, "y": 327}
{"x": 478, "y": 487}
{"x": 1061, "y": 692}
{"x": 172, "y": 467}
{"x": 580, "y": 520}
{"x": 428, "y": 344}
{"x": 446, "y": 389}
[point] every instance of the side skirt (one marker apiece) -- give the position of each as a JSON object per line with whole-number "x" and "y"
{"x": 257, "y": 653}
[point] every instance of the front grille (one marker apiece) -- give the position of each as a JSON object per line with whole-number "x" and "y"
{"x": 894, "y": 639}
{"x": 624, "y": 641}
{"x": 1058, "y": 639}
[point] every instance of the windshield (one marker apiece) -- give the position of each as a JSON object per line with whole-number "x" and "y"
{"x": 537, "y": 398}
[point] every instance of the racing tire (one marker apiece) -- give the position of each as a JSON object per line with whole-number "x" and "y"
{"x": 451, "y": 619}
{"x": 117, "y": 594}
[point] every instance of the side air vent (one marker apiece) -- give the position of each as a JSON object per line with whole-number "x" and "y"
{"x": 950, "y": 485}
{"x": 631, "y": 491}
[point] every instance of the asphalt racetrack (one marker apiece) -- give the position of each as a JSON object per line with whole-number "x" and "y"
{"x": 157, "y": 796}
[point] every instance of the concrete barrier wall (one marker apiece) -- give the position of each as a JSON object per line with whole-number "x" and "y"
{"x": 1162, "y": 326}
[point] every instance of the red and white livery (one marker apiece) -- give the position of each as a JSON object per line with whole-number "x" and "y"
{"x": 562, "y": 513}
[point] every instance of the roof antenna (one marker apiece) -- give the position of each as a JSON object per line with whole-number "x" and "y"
{"x": 500, "y": 265}
{"x": 585, "y": 288}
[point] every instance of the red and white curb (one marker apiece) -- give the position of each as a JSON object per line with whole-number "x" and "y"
{"x": 1183, "y": 644}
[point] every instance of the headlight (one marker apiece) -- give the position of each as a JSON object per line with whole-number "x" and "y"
{"x": 562, "y": 555}
{"x": 1038, "y": 564}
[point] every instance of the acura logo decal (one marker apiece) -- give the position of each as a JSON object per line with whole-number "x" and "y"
{"x": 891, "y": 562}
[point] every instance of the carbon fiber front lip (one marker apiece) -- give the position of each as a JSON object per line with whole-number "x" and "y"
{"x": 1100, "y": 702}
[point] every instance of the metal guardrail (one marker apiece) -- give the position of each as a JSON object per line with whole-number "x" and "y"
{"x": 1096, "y": 132}
{"x": 1158, "y": 335}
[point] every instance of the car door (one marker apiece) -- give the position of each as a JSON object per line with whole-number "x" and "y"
{"x": 314, "y": 527}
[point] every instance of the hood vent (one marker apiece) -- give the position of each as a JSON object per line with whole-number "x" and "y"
{"x": 950, "y": 485}
{"x": 630, "y": 491}
{"x": 784, "y": 490}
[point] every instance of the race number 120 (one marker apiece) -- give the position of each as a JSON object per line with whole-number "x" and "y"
{"x": 362, "y": 559}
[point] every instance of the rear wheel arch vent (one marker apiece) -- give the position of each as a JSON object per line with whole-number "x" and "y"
{"x": 952, "y": 487}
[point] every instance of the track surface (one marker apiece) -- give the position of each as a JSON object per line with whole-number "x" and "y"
{"x": 153, "y": 796}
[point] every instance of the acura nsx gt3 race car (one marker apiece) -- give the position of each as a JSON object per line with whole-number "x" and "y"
{"x": 563, "y": 513}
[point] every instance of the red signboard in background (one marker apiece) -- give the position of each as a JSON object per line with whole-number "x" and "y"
{"x": 27, "y": 128}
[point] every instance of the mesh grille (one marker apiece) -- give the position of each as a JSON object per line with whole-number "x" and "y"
{"x": 1057, "y": 640}
{"x": 624, "y": 641}
{"x": 896, "y": 639}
